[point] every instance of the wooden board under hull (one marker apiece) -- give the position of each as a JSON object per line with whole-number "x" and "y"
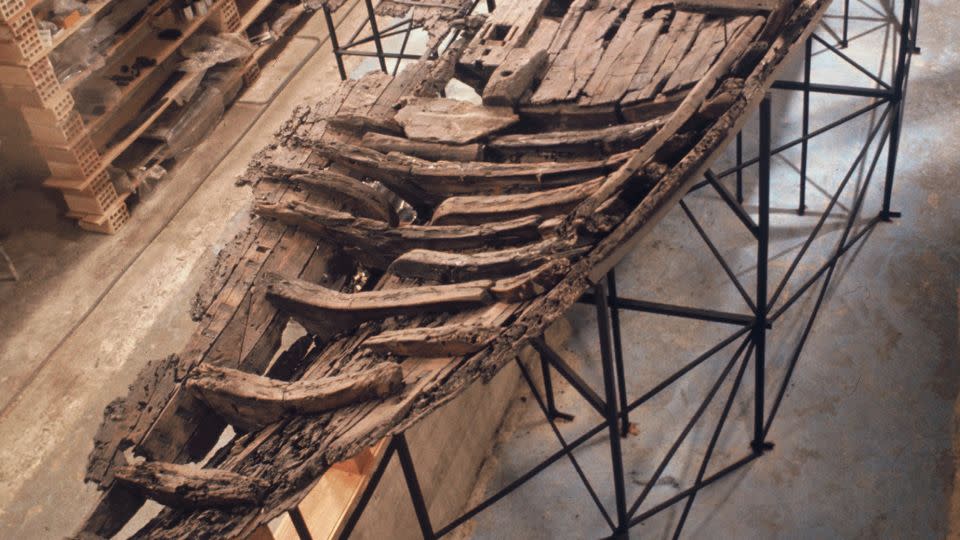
{"x": 422, "y": 240}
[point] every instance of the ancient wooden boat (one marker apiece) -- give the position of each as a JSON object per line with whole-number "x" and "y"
{"x": 421, "y": 240}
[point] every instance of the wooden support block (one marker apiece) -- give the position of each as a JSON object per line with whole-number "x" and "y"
{"x": 514, "y": 77}
{"x": 450, "y": 121}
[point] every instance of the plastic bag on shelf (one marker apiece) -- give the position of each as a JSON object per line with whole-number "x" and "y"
{"x": 96, "y": 96}
{"x": 62, "y": 8}
{"x": 195, "y": 121}
{"x": 204, "y": 51}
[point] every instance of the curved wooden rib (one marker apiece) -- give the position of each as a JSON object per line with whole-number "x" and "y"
{"x": 378, "y": 244}
{"x": 360, "y": 198}
{"x": 446, "y": 266}
{"x": 322, "y": 310}
{"x": 480, "y": 209}
{"x": 425, "y": 150}
{"x": 419, "y": 180}
{"x": 448, "y": 340}
{"x": 609, "y": 139}
{"x": 251, "y": 402}
{"x": 189, "y": 486}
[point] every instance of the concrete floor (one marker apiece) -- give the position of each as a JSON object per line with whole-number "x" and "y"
{"x": 864, "y": 440}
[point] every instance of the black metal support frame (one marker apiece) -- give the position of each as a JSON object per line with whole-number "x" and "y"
{"x": 749, "y": 337}
{"x": 370, "y": 31}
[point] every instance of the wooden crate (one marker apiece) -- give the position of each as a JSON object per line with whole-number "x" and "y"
{"x": 97, "y": 199}
{"x": 20, "y": 41}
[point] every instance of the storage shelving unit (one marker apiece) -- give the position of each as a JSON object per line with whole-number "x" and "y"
{"x": 77, "y": 149}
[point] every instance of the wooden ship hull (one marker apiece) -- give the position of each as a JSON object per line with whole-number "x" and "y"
{"x": 422, "y": 240}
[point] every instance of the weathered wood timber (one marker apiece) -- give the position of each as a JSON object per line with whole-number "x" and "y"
{"x": 429, "y": 182}
{"x": 609, "y": 139}
{"x": 453, "y": 267}
{"x": 451, "y": 121}
{"x": 325, "y": 311}
{"x": 445, "y": 341}
{"x": 425, "y": 150}
{"x": 514, "y": 77}
{"x": 192, "y": 487}
{"x": 252, "y": 402}
{"x": 521, "y": 204}
{"x": 376, "y": 243}
{"x": 481, "y": 209}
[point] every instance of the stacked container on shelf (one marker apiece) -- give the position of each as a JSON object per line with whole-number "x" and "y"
{"x": 77, "y": 151}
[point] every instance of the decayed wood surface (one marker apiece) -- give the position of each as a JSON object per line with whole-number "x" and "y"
{"x": 251, "y": 402}
{"x": 188, "y": 486}
{"x": 518, "y": 209}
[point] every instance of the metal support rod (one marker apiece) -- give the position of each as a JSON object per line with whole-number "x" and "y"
{"x": 883, "y": 84}
{"x": 673, "y": 310}
{"x": 570, "y": 375}
{"x": 652, "y": 481}
{"x": 11, "y": 270}
{"x": 610, "y": 394}
{"x": 813, "y": 134}
{"x": 299, "y": 524}
{"x": 522, "y": 479}
{"x": 403, "y": 48}
{"x": 827, "y": 211}
{"x": 731, "y": 202}
{"x": 834, "y": 89}
{"x": 371, "y": 14}
{"x": 618, "y": 353}
{"x": 551, "y": 406}
{"x": 686, "y": 493}
{"x": 392, "y": 30}
{"x": 413, "y": 485}
{"x": 687, "y": 368}
{"x": 740, "y": 167}
{"x": 840, "y": 249}
{"x": 807, "y": 59}
{"x": 846, "y": 24}
{"x": 900, "y": 79}
{"x": 705, "y": 462}
{"x": 718, "y": 256}
{"x": 367, "y": 492}
{"x": 763, "y": 240}
{"x": 334, "y": 44}
{"x": 563, "y": 443}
